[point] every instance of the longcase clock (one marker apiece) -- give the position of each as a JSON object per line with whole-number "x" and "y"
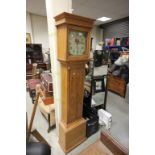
{"x": 74, "y": 38}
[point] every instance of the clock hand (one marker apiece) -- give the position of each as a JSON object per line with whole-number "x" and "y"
{"x": 77, "y": 48}
{"x": 77, "y": 43}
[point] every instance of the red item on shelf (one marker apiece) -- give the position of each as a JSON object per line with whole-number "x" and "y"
{"x": 112, "y": 41}
{"x": 127, "y": 42}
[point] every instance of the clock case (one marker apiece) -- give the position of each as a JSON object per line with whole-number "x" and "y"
{"x": 72, "y": 126}
{"x": 66, "y": 22}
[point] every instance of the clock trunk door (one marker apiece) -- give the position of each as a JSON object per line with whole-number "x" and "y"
{"x": 76, "y": 89}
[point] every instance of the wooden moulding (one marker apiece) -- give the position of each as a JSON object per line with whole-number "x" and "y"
{"x": 71, "y": 135}
{"x": 67, "y": 18}
{"x": 112, "y": 144}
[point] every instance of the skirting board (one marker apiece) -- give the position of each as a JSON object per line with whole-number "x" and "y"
{"x": 112, "y": 144}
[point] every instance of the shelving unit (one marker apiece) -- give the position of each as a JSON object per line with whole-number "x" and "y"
{"x": 119, "y": 47}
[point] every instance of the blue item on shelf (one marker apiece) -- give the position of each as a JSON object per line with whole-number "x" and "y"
{"x": 115, "y": 46}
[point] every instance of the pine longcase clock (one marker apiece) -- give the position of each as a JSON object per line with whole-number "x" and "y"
{"x": 74, "y": 37}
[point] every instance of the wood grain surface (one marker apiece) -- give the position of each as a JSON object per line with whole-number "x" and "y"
{"x": 97, "y": 148}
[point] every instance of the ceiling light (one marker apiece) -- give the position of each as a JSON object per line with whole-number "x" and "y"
{"x": 103, "y": 19}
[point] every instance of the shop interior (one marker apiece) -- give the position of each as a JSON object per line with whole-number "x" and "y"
{"x": 102, "y": 80}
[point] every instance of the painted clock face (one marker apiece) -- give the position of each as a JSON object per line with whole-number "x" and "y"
{"x": 77, "y": 42}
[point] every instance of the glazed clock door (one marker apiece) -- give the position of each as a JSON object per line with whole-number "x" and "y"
{"x": 77, "y": 42}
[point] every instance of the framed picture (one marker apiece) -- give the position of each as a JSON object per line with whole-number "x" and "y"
{"x": 28, "y": 38}
{"x": 98, "y": 84}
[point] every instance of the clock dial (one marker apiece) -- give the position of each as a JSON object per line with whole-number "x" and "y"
{"x": 77, "y": 42}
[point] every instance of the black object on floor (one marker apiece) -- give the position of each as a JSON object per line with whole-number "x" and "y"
{"x": 92, "y": 126}
{"x": 90, "y": 114}
{"x": 36, "y": 148}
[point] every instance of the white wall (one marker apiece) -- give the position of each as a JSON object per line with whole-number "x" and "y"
{"x": 97, "y": 35}
{"x": 28, "y": 23}
{"x": 54, "y": 8}
{"x": 37, "y": 26}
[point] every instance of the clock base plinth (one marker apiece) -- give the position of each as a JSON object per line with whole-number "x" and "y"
{"x": 72, "y": 135}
